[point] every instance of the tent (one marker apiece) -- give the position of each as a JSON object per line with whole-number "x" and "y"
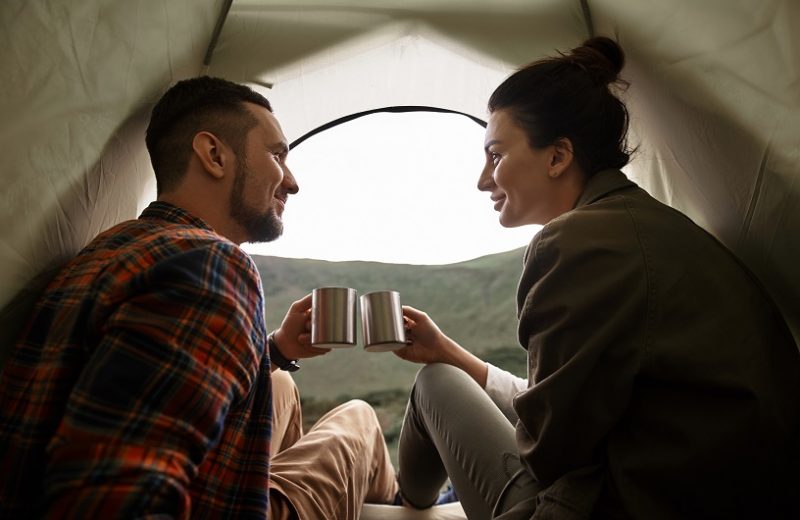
{"x": 714, "y": 100}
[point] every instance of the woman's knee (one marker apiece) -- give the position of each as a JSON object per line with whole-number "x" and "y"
{"x": 439, "y": 377}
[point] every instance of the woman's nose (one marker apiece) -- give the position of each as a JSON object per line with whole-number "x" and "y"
{"x": 486, "y": 181}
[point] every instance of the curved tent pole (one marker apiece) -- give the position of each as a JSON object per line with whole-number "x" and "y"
{"x": 394, "y": 110}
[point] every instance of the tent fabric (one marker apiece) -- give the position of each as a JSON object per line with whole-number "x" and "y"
{"x": 714, "y": 99}
{"x": 78, "y": 81}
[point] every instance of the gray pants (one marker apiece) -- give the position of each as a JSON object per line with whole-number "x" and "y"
{"x": 452, "y": 428}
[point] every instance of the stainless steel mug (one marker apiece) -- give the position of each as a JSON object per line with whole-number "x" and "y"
{"x": 333, "y": 317}
{"x": 382, "y": 321}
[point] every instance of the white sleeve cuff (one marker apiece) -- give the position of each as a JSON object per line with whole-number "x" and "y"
{"x": 502, "y": 386}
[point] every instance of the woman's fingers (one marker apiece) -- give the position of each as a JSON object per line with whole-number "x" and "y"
{"x": 414, "y": 314}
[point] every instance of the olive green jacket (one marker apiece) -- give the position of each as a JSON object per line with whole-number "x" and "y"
{"x": 663, "y": 382}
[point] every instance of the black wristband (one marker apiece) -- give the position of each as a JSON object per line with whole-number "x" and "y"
{"x": 278, "y": 359}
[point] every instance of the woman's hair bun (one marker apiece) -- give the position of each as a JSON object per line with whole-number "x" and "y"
{"x": 600, "y": 56}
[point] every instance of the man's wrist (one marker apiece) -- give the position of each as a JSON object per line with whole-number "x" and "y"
{"x": 277, "y": 358}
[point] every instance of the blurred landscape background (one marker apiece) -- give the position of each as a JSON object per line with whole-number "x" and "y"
{"x": 473, "y": 302}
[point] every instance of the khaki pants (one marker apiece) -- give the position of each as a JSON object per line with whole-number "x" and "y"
{"x": 329, "y": 472}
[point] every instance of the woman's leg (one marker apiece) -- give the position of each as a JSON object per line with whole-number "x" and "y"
{"x": 452, "y": 428}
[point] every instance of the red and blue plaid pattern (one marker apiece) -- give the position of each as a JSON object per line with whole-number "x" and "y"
{"x": 141, "y": 383}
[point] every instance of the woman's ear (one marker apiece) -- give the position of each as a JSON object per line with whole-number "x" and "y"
{"x": 562, "y": 157}
{"x": 212, "y": 153}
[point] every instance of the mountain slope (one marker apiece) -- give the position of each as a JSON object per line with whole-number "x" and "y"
{"x": 473, "y": 302}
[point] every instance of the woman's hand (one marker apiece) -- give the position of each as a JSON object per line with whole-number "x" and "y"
{"x": 426, "y": 343}
{"x": 294, "y": 335}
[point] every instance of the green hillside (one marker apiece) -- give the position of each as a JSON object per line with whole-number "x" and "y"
{"x": 473, "y": 302}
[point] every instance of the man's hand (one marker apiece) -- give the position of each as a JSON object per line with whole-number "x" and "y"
{"x": 294, "y": 335}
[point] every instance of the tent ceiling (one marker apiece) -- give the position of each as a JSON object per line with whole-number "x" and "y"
{"x": 714, "y": 98}
{"x": 261, "y": 38}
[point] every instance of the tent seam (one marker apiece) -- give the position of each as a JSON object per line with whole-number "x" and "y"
{"x": 751, "y": 207}
{"x": 587, "y": 17}
{"x": 223, "y": 15}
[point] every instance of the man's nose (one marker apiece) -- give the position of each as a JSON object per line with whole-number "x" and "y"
{"x": 289, "y": 182}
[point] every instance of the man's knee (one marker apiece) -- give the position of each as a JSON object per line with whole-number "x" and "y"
{"x": 359, "y": 410}
{"x": 355, "y": 420}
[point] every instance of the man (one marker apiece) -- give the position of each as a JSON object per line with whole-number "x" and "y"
{"x": 142, "y": 383}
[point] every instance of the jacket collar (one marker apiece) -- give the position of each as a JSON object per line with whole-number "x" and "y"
{"x": 598, "y": 186}
{"x": 601, "y": 184}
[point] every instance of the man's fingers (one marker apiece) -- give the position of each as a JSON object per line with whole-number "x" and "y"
{"x": 317, "y": 351}
{"x": 301, "y": 305}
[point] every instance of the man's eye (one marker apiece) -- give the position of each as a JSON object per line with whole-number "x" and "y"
{"x": 494, "y": 157}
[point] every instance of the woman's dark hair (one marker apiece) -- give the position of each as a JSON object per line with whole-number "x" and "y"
{"x": 190, "y": 106}
{"x": 569, "y": 96}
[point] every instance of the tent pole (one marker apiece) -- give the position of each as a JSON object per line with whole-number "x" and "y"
{"x": 226, "y": 7}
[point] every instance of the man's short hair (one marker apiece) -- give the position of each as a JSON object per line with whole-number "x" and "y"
{"x": 191, "y": 106}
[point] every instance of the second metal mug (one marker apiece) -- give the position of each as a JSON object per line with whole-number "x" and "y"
{"x": 382, "y": 321}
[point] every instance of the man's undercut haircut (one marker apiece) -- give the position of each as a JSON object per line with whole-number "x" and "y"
{"x": 194, "y": 105}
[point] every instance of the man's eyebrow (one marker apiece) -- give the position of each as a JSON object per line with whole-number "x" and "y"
{"x": 281, "y": 146}
{"x": 490, "y": 143}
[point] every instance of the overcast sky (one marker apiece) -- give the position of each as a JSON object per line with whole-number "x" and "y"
{"x": 397, "y": 188}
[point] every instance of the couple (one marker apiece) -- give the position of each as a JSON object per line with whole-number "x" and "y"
{"x": 662, "y": 381}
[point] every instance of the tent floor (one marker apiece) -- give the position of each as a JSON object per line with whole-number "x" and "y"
{"x": 452, "y": 511}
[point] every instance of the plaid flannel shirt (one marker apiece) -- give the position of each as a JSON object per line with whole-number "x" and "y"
{"x": 141, "y": 383}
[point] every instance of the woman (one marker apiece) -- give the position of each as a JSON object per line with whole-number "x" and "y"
{"x": 662, "y": 381}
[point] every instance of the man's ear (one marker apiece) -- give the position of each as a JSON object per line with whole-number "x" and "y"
{"x": 562, "y": 157}
{"x": 212, "y": 153}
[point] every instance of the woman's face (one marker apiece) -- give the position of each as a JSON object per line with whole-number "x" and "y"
{"x": 526, "y": 184}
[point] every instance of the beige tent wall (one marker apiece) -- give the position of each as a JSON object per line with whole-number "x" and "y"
{"x": 715, "y": 99}
{"x": 78, "y": 80}
{"x": 326, "y": 60}
{"x": 715, "y": 102}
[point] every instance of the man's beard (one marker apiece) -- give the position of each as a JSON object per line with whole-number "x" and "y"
{"x": 260, "y": 227}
